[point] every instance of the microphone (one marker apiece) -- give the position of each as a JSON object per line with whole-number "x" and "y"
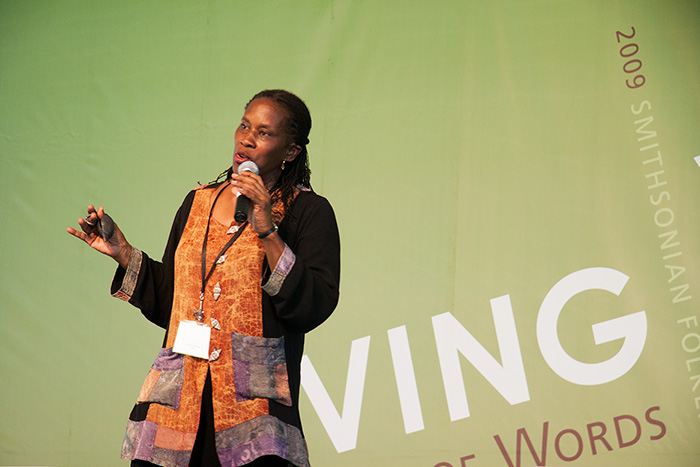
{"x": 243, "y": 202}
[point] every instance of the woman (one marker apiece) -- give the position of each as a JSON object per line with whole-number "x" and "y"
{"x": 236, "y": 299}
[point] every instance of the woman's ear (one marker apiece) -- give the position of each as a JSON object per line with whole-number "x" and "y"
{"x": 293, "y": 151}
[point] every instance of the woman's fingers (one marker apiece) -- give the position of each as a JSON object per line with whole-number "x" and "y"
{"x": 251, "y": 185}
{"x": 88, "y": 225}
{"x": 89, "y": 222}
{"x": 76, "y": 233}
{"x": 106, "y": 239}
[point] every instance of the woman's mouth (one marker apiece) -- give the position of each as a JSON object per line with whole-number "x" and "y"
{"x": 240, "y": 158}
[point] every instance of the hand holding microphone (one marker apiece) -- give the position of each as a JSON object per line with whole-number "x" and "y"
{"x": 242, "y": 201}
{"x": 256, "y": 193}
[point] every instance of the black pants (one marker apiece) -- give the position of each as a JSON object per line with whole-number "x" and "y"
{"x": 204, "y": 450}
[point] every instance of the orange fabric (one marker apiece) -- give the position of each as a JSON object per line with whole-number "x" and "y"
{"x": 172, "y": 439}
{"x": 237, "y": 309}
{"x": 148, "y": 385}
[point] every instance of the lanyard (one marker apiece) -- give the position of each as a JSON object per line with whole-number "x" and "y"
{"x": 199, "y": 314}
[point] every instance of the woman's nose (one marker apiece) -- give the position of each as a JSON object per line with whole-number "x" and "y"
{"x": 248, "y": 140}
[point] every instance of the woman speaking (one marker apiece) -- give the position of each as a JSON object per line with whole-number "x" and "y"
{"x": 252, "y": 264}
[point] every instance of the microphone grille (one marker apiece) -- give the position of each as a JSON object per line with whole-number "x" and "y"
{"x": 249, "y": 166}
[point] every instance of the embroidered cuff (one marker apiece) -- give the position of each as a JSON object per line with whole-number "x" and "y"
{"x": 276, "y": 279}
{"x": 131, "y": 276}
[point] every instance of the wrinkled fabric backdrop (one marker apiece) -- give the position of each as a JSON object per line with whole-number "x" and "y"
{"x": 517, "y": 191}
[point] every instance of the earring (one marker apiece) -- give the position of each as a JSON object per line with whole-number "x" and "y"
{"x": 283, "y": 161}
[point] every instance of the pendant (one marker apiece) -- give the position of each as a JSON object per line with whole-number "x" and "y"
{"x": 221, "y": 259}
{"x": 233, "y": 229}
{"x": 215, "y": 324}
{"x": 214, "y": 355}
{"x": 199, "y": 313}
{"x": 217, "y": 291}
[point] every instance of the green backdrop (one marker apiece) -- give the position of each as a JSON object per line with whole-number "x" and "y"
{"x": 506, "y": 176}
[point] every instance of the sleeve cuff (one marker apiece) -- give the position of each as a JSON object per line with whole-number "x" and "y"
{"x": 130, "y": 277}
{"x": 276, "y": 279}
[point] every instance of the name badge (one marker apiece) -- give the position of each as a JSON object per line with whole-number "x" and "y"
{"x": 192, "y": 339}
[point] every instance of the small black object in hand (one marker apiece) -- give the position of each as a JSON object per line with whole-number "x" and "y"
{"x": 105, "y": 227}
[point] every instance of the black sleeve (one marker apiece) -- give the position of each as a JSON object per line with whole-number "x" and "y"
{"x": 310, "y": 291}
{"x": 153, "y": 290}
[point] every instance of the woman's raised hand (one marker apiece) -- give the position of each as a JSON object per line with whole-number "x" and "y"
{"x": 251, "y": 185}
{"x": 115, "y": 247}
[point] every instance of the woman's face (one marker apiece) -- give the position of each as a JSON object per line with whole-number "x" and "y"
{"x": 262, "y": 138}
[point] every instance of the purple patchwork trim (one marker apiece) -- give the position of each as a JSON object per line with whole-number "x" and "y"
{"x": 139, "y": 439}
{"x": 262, "y": 436}
{"x": 260, "y": 350}
{"x": 170, "y": 457}
{"x": 171, "y": 373}
{"x": 259, "y": 368}
{"x": 265, "y": 445}
{"x": 284, "y": 265}
{"x": 145, "y": 440}
{"x": 168, "y": 389}
{"x": 241, "y": 378}
{"x": 131, "y": 276}
{"x": 168, "y": 360}
{"x": 139, "y": 443}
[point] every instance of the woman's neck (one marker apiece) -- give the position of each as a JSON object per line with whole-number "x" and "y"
{"x": 225, "y": 206}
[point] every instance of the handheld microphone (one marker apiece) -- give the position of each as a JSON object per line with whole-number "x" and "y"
{"x": 243, "y": 202}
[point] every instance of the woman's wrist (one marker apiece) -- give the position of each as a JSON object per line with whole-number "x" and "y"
{"x": 268, "y": 232}
{"x": 124, "y": 255}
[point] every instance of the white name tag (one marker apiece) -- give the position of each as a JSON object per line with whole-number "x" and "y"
{"x": 192, "y": 339}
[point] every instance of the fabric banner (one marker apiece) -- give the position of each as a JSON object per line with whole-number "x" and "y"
{"x": 517, "y": 186}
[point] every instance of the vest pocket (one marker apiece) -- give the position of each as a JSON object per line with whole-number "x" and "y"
{"x": 163, "y": 384}
{"x": 260, "y": 368}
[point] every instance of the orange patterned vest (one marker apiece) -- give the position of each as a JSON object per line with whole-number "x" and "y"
{"x": 233, "y": 296}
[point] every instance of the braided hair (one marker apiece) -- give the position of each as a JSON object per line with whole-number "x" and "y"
{"x": 297, "y": 123}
